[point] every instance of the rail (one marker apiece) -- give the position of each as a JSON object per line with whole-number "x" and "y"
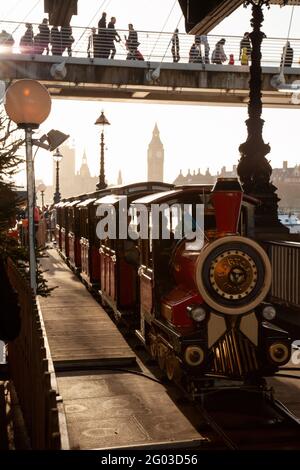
{"x": 152, "y": 45}
{"x": 30, "y": 371}
{"x": 285, "y": 261}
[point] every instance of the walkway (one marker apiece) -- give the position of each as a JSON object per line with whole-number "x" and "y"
{"x": 108, "y": 408}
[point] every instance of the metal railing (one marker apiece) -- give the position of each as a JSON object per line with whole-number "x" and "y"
{"x": 285, "y": 261}
{"x": 152, "y": 46}
{"x": 30, "y": 371}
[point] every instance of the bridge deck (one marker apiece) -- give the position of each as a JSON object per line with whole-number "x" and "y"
{"x": 79, "y": 331}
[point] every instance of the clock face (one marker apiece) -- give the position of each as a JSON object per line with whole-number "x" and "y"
{"x": 158, "y": 154}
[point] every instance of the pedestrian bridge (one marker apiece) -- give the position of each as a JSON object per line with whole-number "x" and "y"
{"x": 79, "y": 73}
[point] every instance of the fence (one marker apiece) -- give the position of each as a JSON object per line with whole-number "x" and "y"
{"x": 285, "y": 261}
{"x": 29, "y": 370}
{"x": 154, "y": 46}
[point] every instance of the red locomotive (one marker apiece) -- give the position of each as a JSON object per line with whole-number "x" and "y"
{"x": 201, "y": 310}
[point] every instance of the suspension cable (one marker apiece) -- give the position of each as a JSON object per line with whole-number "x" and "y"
{"x": 149, "y": 56}
{"x": 26, "y": 16}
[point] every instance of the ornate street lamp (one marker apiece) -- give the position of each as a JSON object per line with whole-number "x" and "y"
{"x": 28, "y": 104}
{"x": 57, "y": 157}
{"x": 102, "y": 121}
{"x": 254, "y": 169}
{"x": 42, "y": 188}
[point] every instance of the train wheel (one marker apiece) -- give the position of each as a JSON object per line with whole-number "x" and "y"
{"x": 161, "y": 353}
{"x": 170, "y": 365}
{"x": 153, "y": 345}
{"x": 173, "y": 368}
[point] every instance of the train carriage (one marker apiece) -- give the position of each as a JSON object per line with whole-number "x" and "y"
{"x": 119, "y": 256}
{"x": 59, "y": 223}
{"x": 89, "y": 242}
{"x": 202, "y": 308}
{"x": 72, "y": 234}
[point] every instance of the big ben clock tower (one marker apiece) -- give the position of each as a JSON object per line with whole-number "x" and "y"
{"x": 155, "y": 157}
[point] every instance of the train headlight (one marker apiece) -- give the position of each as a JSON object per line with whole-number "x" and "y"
{"x": 279, "y": 353}
{"x": 196, "y": 312}
{"x": 194, "y": 355}
{"x": 269, "y": 312}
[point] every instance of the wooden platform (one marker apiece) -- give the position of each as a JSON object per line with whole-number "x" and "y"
{"x": 79, "y": 331}
{"x": 104, "y": 409}
{"x": 123, "y": 410}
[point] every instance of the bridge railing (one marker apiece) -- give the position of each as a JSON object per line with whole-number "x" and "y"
{"x": 30, "y": 370}
{"x": 285, "y": 261}
{"x": 153, "y": 46}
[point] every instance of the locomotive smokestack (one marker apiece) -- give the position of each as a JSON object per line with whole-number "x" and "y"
{"x": 227, "y": 199}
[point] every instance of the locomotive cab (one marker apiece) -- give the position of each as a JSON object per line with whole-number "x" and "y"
{"x": 202, "y": 308}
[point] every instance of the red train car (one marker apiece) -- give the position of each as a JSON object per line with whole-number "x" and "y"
{"x": 118, "y": 257}
{"x": 89, "y": 243}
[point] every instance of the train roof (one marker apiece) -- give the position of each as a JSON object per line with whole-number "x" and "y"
{"x": 141, "y": 186}
{"x": 72, "y": 203}
{"x": 86, "y": 202}
{"x": 111, "y": 199}
{"x": 180, "y": 192}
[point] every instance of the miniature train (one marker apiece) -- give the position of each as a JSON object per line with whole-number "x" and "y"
{"x": 200, "y": 309}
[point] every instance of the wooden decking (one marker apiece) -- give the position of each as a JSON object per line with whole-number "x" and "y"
{"x": 79, "y": 331}
{"x": 109, "y": 408}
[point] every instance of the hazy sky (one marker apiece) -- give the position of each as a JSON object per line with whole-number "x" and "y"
{"x": 193, "y": 136}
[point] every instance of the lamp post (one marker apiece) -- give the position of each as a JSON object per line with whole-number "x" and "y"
{"x": 28, "y": 104}
{"x": 57, "y": 157}
{"x": 42, "y": 189}
{"x": 254, "y": 169}
{"x": 102, "y": 121}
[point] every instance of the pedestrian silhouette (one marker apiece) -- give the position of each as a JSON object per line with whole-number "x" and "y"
{"x": 26, "y": 41}
{"x": 245, "y": 44}
{"x": 56, "y": 41}
{"x": 112, "y": 36}
{"x": 132, "y": 43}
{"x": 6, "y": 41}
{"x": 67, "y": 39}
{"x": 218, "y": 55}
{"x": 101, "y": 41}
{"x": 175, "y": 46}
{"x": 287, "y": 55}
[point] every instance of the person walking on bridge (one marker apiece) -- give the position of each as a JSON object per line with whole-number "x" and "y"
{"x": 26, "y": 41}
{"x": 6, "y": 42}
{"x": 245, "y": 44}
{"x": 218, "y": 55}
{"x": 112, "y": 36}
{"x": 102, "y": 40}
{"x": 287, "y": 55}
{"x": 132, "y": 43}
{"x": 175, "y": 46}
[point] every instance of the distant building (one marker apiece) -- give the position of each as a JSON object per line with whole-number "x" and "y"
{"x": 71, "y": 183}
{"x": 286, "y": 180}
{"x": 155, "y": 157}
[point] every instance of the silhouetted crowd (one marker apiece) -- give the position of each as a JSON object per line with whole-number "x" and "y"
{"x": 102, "y": 44}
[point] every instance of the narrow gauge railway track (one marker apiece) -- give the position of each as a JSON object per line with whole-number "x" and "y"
{"x": 231, "y": 417}
{"x": 235, "y": 418}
